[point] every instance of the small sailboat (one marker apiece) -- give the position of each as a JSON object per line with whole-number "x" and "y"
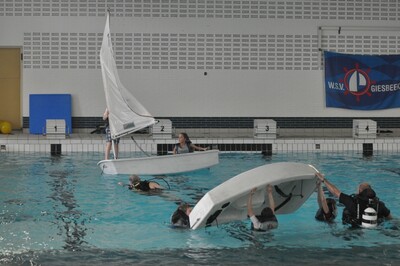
{"x": 128, "y": 115}
{"x": 293, "y": 184}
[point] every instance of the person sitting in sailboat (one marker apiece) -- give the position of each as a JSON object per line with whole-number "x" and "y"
{"x": 135, "y": 183}
{"x": 267, "y": 219}
{"x": 185, "y": 145}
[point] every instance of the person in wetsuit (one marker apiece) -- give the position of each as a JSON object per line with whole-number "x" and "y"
{"x": 327, "y": 211}
{"x": 267, "y": 219}
{"x": 135, "y": 183}
{"x": 180, "y": 218}
{"x": 185, "y": 145}
{"x": 361, "y": 210}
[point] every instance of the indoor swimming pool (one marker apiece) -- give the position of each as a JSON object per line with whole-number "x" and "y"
{"x": 61, "y": 210}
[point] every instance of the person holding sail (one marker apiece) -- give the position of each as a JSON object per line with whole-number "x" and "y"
{"x": 108, "y": 138}
{"x": 185, "y": 145}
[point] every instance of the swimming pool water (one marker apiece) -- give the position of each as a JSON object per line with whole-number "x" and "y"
{"x": 61, "y": 210}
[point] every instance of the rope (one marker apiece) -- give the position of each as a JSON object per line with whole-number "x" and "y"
{"x": 288, "y": 197}
{"x": 148, "y": 155}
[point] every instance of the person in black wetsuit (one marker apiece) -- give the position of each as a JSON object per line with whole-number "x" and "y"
{"x": 361, "y": 210}
{"x": 180, "y": 218}
{"x": 327, "y": 211}
{"x": 135, "y": 183}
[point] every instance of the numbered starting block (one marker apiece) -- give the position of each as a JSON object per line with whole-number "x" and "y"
{"x": 364, "y": 128}
{"x": 55, "y": 128}
{"x": 162, "y": 129}
{"x": 265, "y": 128}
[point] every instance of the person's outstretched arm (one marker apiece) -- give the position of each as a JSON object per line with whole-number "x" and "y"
{"x": 331, "y": 187}
{"x": 194, "y": 147}
{"x": 250, "y": 212}
{"x": 271, "y": 199}
{"x": 321, "y": 198}
{"x": 155, "y": 185}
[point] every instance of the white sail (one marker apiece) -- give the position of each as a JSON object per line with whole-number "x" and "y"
{"x": 356, "y": 82}
{"x": 127, "y": 114}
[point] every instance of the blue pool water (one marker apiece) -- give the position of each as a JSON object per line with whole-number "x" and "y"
{"x": 63, "y": 211}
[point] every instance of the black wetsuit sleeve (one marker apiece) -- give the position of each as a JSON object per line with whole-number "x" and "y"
{"x": 144, "y": 186}
{"x": 383, "y": 211}
{"x": 347, "y": 201}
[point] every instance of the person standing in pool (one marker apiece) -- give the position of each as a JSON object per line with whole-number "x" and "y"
{"x": 267, "y": 219}
{"x": 185, "y": 145}
{"x": 363, "y": 209}
{"x": 327, "y": 211}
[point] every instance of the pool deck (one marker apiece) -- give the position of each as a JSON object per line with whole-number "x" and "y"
{"x": 227, "y": 140}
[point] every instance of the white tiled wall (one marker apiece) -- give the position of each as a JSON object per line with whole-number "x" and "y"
{"x": 85, "y": 144}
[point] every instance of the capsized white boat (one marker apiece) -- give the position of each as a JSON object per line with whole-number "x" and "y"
{"x": 159, "y": 165}
{"x": 128, "y": 115}
{"x": 293, "y": 184}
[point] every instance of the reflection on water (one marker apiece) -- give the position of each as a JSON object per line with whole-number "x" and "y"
{"x": 69, "y": 220}
{"x": 62, "y": 211}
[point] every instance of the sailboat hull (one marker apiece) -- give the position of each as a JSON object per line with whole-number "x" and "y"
{"x": 228, "y": 201}
{"x": 161, "y": 165}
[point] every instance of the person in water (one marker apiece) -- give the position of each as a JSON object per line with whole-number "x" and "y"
{"x": 267, "y": 219}
{"x": 135, "y": 183}
{"x": 185, "y": 145}
{"x": 362, "y": 209}
{"x": 327, "y": 211}
{"x": 180, "y": 218}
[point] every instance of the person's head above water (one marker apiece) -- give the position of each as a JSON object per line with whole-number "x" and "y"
{"x": 180, "y": 218}
{"x": 332, "y": 206}
{"x": 185, "y": 207}
{"x": 363, "y": 186}
{"x": 133, "y": 179}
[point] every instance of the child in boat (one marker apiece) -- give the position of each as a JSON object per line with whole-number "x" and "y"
{"x": 108, "y": 138}
{"x": 185, "y": 145}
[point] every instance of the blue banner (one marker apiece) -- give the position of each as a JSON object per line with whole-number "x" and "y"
{"x": 362, "y": 82}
